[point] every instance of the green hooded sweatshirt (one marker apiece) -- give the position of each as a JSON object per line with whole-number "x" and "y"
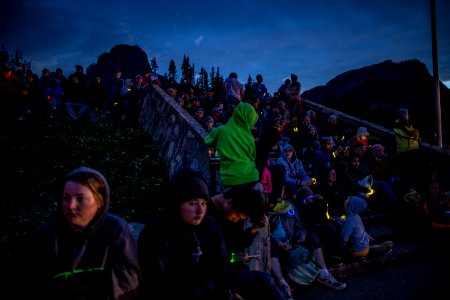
{"x": 236, "y": 146}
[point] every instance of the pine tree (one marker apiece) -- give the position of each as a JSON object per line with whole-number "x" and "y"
{"x": 14, "y": 62}
{"x": 212, "y": 76}
{"x": 184, "y": 69}
{"x": 172, "y": 69}
{"x": 203, "y": 81}
{"x": 217, "y": 83}
{"x": 191, "y": 75}
{"x": 154, "y": 65}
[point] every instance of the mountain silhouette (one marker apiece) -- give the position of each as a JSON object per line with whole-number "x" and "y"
{"x": 130, "y": 60}
{"x": 374, "y": 93}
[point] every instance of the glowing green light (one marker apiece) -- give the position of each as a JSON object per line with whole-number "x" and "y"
{"x": 69, "y": 274}
{"x": 234, "y": 257}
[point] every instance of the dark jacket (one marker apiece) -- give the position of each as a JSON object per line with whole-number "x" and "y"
{"x": 236, "y": 236}
{"x": 182, "y": 262}
{"x": 335, "y": 196}
{"x": 97, "y": 262}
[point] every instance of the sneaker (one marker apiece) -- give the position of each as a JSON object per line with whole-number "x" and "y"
{"x": 332, "y": 282}
{"x": 360, "y": 259}
{"x": 381, "y": 249}
{"x": 388, "y": 252}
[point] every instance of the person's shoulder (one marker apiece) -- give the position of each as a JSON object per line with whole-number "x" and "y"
{"x": 209, "y": 218}
{"x": 211, "y": 222}
{"x": 155, "y": 220}
{"x": 281, "y": 161}
{"x": 213, "y": 213}
{"x": 216, "y": 130}
{"x": 156, "y": 225}
{"x": 212, "y": 217}
{"x": 115, "y": 221}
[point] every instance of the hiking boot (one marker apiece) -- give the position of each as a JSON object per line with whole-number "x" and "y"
{"x": 332, "y": 282}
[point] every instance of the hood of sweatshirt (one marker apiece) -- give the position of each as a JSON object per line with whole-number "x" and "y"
{"x": 287, "y": 146}
{"x": 79, "y": 174}
{"x": 355, "y": 205}
{"x": 244, "y": 116}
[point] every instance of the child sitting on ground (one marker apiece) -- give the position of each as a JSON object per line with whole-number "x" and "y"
{"x": 354, "y": 238}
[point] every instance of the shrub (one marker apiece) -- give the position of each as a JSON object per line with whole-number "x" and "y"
{"x": 38, "y": 158}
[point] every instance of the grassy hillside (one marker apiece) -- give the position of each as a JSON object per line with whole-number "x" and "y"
{"x": 38, "y": 157}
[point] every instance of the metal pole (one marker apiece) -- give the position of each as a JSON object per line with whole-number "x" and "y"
{"x": 214, "y": 167}
{"x": 437, "y": 96}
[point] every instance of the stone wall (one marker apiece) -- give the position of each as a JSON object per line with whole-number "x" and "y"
{"x": 176, "y": 134}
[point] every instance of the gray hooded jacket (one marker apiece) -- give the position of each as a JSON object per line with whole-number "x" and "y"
{"x": 96, "y": 262}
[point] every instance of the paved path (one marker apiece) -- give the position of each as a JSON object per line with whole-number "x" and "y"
{"x": 422, "y": 276}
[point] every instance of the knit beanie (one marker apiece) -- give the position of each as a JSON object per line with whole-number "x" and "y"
{"x": 187, "y": 184}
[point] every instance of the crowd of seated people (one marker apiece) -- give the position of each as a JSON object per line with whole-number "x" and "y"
{"x": 51, "y": 96}
{"x": 323, "y": 164}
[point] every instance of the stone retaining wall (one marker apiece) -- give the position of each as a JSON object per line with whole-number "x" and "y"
{"x": 176, "y": 134}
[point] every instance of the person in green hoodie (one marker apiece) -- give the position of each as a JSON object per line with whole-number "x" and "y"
{"x": 236, "y": 147}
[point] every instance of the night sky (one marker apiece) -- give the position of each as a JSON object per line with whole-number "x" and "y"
{"x": 317, "y": 40}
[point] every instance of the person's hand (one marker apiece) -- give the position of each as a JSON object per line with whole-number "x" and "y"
{"x": 306, "y": 182}
{"x": 285, "y": 246}
{"x": 248, "y": 257}
{"x": 319, "y": 196}
{"x": 244, "y": 257}
{"x": 265, "y": 221}
{"x": 416, "y": 135}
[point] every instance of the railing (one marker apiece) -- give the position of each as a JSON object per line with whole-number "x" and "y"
{"x": 383, "y": 133}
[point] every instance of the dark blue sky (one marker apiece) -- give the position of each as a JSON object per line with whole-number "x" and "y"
{"x": 317, "y": 40}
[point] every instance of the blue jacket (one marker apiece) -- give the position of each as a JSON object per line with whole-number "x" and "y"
{"x": 353, "y": 233}
{"x": 295, "y": 173}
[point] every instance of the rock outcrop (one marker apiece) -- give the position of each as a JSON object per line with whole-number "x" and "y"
{"x": 375, "y": 92}
{"x": 130, "y": 60}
